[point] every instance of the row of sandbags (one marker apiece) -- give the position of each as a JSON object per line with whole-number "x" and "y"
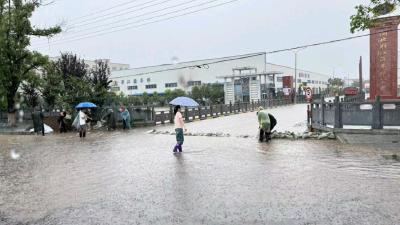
{"x": 275, "y": 135}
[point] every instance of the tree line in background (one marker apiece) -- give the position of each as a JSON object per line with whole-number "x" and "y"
{"x": 66, "y": 82}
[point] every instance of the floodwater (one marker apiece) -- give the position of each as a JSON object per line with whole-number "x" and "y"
{"x": 133, "y": 178}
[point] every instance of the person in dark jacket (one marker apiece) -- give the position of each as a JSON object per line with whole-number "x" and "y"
{"x": 61, "y": 122}
{"x": 111, "y": 120}
{"x": 37, "y": 117}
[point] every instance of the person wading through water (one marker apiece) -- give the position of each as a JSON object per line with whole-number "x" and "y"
{"x": 266, "y": 123}
{"x": 179, "y": 128}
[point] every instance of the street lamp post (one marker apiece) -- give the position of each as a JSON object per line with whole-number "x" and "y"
{"x": 295, "y": 73}
{"x": 295, "y": 77}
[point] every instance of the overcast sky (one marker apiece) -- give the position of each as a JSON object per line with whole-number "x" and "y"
{"x": 241, "y": 27}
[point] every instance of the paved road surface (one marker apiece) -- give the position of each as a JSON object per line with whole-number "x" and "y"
{"x": 132, "y": 178}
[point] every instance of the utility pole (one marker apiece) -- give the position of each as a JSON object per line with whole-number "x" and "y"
{"x": 295, "y": 77}
{"x": 360, "y": 76}
{"x": 295, "y": 73}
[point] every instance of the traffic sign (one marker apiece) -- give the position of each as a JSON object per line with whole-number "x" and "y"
{"x": 308, "y": 93}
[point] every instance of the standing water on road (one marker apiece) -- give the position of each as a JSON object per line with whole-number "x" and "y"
{"x": 133, "y": 178}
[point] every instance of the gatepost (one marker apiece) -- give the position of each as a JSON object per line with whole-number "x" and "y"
{"x": 323, "y": 110}
{"x": 171, "y": 115}
{"x": 377, "y": 114}
{"x": 338, "y": 113}
{"x": 186, "y": 114}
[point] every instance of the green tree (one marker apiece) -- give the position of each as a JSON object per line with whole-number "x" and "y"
{"x": 336, "y": 82}
{"x": 335, "y": 85}
{"x": 75, "y": 78}
{"x": 355, "y": 84}
{"x": 197, "y": 93}
{"x": 52, "y": 88}
{"x": 100, "y": 79}
{"x": 171, "y": 94}
{"x": 30, "y": 90}
{"x": 145, "y": 98}
{"x": 217, "y": 94}
{"x": 366, "y": 14}
{"x": 16, "y": 60}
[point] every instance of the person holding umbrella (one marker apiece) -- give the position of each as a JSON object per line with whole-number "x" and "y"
{"x": 179, "y": 121}
{"x": 82, "y": 117}
{"x": 179, "y": 128}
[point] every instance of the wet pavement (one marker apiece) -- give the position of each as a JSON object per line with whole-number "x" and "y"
{"x": 133, "y": 178}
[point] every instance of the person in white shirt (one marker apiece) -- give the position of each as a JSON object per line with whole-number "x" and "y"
{"x": 179, "y": 129}
{"x": 82, "y": 124}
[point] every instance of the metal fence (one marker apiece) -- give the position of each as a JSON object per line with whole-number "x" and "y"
{"x": 148, "y": 115}
{"x": 213, "y": 111}
{"x": 375, "y": 115}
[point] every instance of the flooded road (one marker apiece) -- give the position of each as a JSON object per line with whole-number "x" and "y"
{"x": 133, "y": 178}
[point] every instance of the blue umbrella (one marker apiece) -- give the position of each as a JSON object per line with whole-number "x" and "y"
{"x": 85, "y": 105}
{"x": 184, "y": 101}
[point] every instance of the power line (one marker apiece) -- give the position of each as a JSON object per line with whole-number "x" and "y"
{"x": 100, "y": 33}
{"x": 154, "y": 17}
{"x": 104, "y": 10}
{"x": 116, "y": 14}
{"x": 137, "y": 16}
{"x": 205, "y": 65}
{"x": 104, "y": 31}
{"x": 330, "y": 42}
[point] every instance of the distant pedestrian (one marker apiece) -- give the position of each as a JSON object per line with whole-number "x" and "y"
{"x": 126, "y": 118}
{"x": 82, "y": 117}
{"x": 110, "y": 119}
{"x": 266, "y": 123}
{"x": 61, "y": 122}
{"x": 37, "y": 117}
{"x": 179, "y": 129}
{"x": 88, "y": 119}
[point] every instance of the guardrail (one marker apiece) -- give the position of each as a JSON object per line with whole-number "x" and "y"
{"x": 147, "y": 115}
{"x": 374, "y": 115}
{"x": 213, "y": 111}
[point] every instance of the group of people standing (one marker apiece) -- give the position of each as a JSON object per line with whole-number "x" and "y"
{"x": 83, "y": 119}
{"x": 266, "y": 121}
{"x": 111, "y": 120}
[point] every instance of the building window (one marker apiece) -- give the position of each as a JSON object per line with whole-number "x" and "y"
{"x": 141, "y": 80}
{"x": 151, "y": 86}
{"x": 115, "y": 89}
{"x": 194, "y": 83}
{"x": 132, "y": 87}
{"x": 148, "y": 80}
{"x": 298, "y": 80}
{"x": 128, "y": 81}
{"x": 171, "y": 85}
{"x": 122, "y": 81}
{"x": 134, "y": 81}
{"x": 279, "y": 79}
{"x": 254, "y": 78}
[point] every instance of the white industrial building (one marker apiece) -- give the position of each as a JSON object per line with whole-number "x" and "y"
{"x": 92, "y": 63}
{"x": 224, "y": 70}
{"x": 317, "y": 81}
